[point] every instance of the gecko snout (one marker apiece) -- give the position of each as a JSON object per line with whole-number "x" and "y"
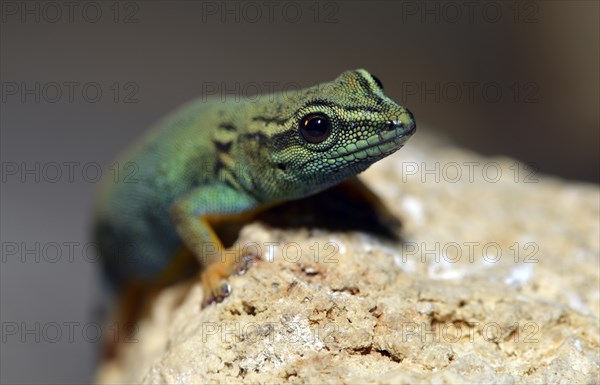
{"x": 402, "y": 128}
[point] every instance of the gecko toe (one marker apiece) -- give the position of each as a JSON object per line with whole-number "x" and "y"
{"x": 246, "y": 262}
{"x": 218, "y": 296}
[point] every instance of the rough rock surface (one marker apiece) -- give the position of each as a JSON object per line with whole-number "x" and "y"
{"x": 496, "y": 280}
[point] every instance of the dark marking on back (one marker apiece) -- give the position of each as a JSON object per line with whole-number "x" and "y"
{"x": 253, "y": 137}
{"x": 219, "y": 165}
{"x": 227, "y": 127}
{"x": 230, "y": 184}
{"x": 269, "y": 119}
{"x": 223, "y": 147}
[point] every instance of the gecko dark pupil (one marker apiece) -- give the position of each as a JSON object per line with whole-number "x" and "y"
{"x": 315, "y": 128}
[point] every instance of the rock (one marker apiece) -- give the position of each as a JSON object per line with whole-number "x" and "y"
{"x": 496, "y": 280}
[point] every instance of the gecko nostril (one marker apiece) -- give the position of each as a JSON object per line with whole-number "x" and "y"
{"x": 391, "y": 125}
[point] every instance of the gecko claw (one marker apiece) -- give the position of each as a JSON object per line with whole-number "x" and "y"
{"x": 224, "y": 291}
{"x": 245, "y": 264}
{"x": 221, "y": 293}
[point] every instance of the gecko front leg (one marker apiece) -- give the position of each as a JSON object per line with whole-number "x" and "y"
{"x": 194, "y": 216}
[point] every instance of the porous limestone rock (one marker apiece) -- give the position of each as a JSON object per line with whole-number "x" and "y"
{"x": 495, "y": 280}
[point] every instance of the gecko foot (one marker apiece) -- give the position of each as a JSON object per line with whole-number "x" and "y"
{"x": 214, "y": 287}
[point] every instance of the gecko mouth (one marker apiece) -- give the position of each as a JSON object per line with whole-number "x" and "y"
{"x": 383, "y": 143}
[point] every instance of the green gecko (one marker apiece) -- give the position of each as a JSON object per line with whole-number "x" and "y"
{"x": 213, "y": 160}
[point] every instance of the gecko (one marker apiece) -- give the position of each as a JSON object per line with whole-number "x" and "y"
{"x": 213, "y": 160}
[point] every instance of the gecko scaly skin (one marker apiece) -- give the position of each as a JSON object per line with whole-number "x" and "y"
{"x": 212, "y": 160}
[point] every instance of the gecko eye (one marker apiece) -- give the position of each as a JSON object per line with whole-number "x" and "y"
{"x": 315, "y": 128}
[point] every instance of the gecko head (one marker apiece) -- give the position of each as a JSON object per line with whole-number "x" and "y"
{"x": 332, "y": 131}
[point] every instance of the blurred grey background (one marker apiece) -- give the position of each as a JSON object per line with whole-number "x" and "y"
{"x": 82, "y": 81}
